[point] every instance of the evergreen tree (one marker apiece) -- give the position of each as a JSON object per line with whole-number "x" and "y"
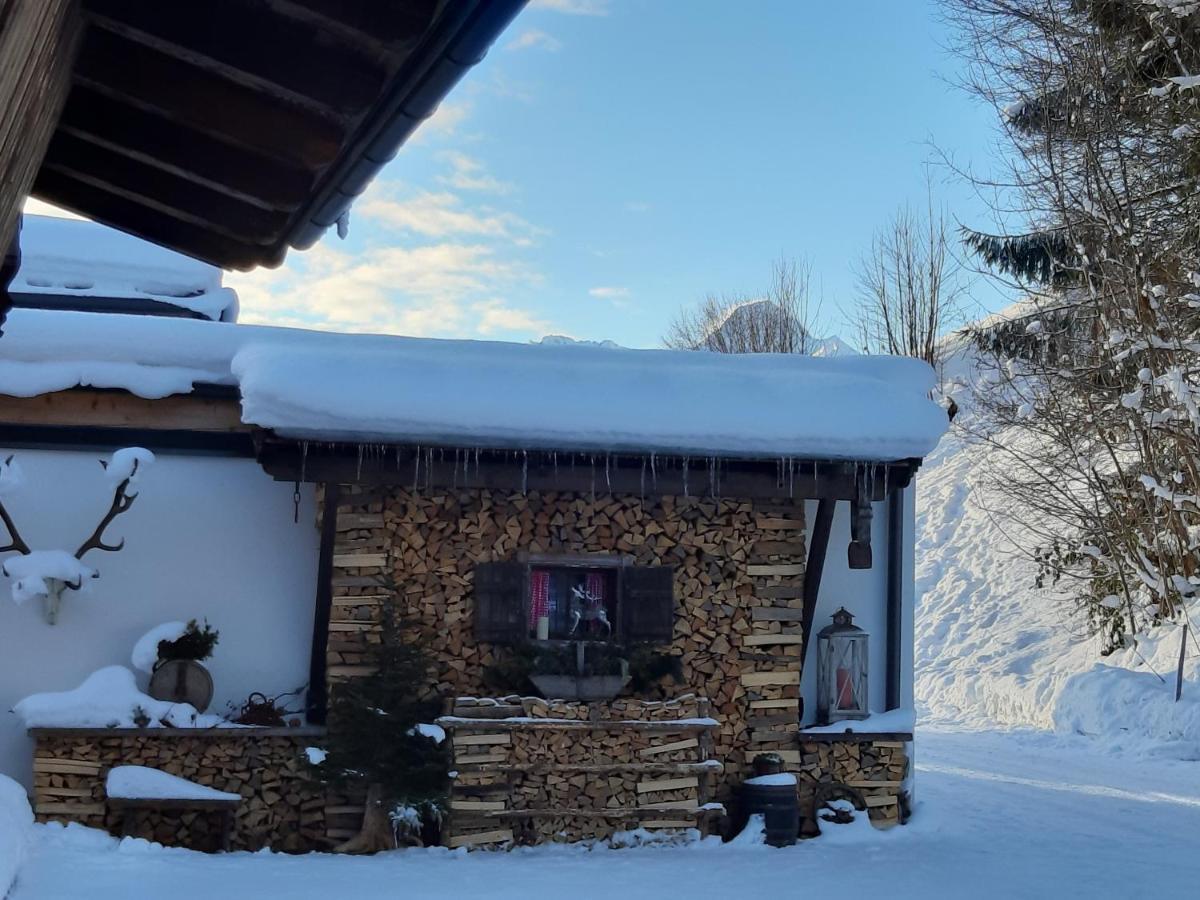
{"x": 374, "y": 743}
{"x": 1095, "y": 404}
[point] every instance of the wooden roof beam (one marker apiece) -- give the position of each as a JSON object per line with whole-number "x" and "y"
{"x": 390, "y": 28}
{"x": 176, "y": 148}
{"x": 161, "y": 190}
{"x": 152, "y": 225}
{"x": 250, "y": 45}
{"x": 184, "y": 93}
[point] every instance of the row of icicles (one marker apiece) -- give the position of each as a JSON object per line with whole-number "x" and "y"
{"x": 651, "y": 465}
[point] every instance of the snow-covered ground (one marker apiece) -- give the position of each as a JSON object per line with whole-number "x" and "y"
{"x": 1000, "y": 815}
{"x": 992, "y": 649}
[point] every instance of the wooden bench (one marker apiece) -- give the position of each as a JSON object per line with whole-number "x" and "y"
{"x": 128, "y": 808}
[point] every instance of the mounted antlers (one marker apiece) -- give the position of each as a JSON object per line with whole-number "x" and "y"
{"x": 14, "y": 539}
{"x": 122, "y": 500}
{"x": 48, "y": 573}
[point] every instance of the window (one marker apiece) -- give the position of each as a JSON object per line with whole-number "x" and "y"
{"x": 572, "y": 603}
{"x": 538, "y": 597}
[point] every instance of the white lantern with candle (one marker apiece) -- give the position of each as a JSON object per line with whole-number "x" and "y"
{"x": 841, "y": 670}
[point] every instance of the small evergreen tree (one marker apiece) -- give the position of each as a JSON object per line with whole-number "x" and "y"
{"x": 374, "y": 743}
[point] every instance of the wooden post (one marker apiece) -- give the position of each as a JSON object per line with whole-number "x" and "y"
{"x": 38, "y": 42}
{"x": 1182, "y": 655}
{"x": 317, "y": 704}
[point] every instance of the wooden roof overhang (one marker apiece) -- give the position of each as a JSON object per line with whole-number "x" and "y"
{"x": 231, "y": 130}
{"x": 582, "y": 471}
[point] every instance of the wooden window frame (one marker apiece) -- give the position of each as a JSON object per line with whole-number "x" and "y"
{"x": 617, "y": 561}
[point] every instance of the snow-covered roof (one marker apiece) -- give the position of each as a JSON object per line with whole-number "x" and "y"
{"x": 77, "y": 258}
{"x": 320, "y": 385}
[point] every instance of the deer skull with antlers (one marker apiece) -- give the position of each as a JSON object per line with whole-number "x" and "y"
{"x": 49, "y": 573}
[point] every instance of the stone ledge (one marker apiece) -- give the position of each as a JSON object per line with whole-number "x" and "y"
{"x": 217, "y": 734}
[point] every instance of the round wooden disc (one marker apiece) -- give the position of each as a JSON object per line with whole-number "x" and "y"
{"x": 182, "y": 681}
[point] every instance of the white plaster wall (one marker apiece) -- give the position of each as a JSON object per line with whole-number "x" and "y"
{"x": 208, "y": 537}
{"x": 864, "y": 593}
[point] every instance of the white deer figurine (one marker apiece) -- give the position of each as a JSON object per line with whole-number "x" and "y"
{"x": 587, "y": 607}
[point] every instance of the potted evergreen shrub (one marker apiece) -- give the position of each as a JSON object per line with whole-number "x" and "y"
{"x": 179, "y": 675}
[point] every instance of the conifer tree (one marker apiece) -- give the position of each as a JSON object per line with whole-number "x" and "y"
{"x": 375, "y": 742}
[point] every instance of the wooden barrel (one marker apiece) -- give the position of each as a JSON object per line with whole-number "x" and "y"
{"x": 182, "y": 681}
{"x": 779, "y": 807}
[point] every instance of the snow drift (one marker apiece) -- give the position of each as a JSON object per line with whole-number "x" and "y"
{"x": 16, "y": 830}
{"x": 992, "y": 648}
{"x": 108, "y": 698}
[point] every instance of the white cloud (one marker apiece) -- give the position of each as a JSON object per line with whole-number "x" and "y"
{"x": 534, "y": 38}
{"x": 609, "y": 293}
{"x": 637, "y": 206}
{"x": 443, "y": 123}
{"x": 439, "y": 214}
{"x": 469, "y": 174}
{"x": 573, "y": 7}
{"x": 496, "y": 315}
{"x": 35, "y": 207}
{"x": 446, "y": 289}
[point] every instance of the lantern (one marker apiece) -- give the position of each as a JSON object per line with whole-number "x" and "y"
{"x": 841, "y": 670}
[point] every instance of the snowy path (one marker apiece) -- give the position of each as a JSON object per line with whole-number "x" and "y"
{"x": 1002, "y": 815}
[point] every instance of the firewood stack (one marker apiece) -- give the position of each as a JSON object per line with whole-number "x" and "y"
{"x": 877, "y": 766}
{"x": 739, "y": 571}
{"x": 530, "y": 771}
{"x": 281, "y": 807}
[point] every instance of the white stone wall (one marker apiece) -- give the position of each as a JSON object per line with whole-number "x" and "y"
{"x": 209, "y": 536}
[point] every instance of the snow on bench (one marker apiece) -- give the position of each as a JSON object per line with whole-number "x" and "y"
{"x": 132, "y": 788}
{"x": 144, "y": 783}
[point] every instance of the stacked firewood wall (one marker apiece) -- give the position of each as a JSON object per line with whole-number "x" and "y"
{"x": 738, "y": 564}
{"x": 876, "y": 766}
{"x": 281, "y": 807}
{"x": 528, "y": 770}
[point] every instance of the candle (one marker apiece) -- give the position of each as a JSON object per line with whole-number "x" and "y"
{"x": 845, "y": 690}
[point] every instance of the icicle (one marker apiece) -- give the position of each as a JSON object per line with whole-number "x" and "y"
{"x": 416, "y": 469}
{"x": 643, "y": 480}
{"x": 554, "y": 457}
{"x": 524, "y": 472}
{"x": 686, "y": 461}
{"x": 607, "y": 477}
{"x": 428, "y": 470}
{"x": 358, "y": 470}
{"x": 397, "y": 458}
{"x": 593, "y": 458}
{"x": 712, "y": 477}
{"x": 454, "y": 472}
{"x": 791, "y": 476}
{"x": 653, "y": 473}
{"x": 303, "y": 459}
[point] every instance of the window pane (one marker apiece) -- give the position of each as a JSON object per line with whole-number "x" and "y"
{"x": 572, "y": 604}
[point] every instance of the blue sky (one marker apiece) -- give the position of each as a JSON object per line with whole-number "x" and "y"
{"x": 614, "y": 160}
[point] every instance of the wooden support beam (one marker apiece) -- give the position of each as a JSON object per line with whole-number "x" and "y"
{"x": 38, "y": 44}
{"x": 817, "y": 548}
{"x": 317, "y": 700}
{"x": 207, "y": 102}
{"x": 158, "y": 189}
{"x": 141, "y": 221}
{"x": 665, "y": 725}
{"x": 450, "y": 468}
{"x": 118, "y": 409}
{"x": 183, "y": 151}
{"x": 665, "y": 768}
{"x": 249, "y": 44}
